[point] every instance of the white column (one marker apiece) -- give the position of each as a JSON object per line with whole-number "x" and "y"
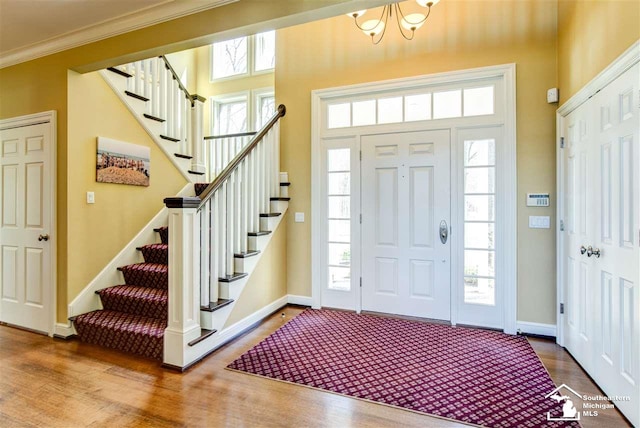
{"x": 184, "y": 280}
{"x": 198, "y": 162}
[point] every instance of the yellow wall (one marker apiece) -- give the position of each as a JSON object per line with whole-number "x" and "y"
{"x": 99, "y": 231}
{"x": 458, "y": 35}
{"x": 41, "y": 85}
{"x": 591, "y": 34}
{"x": 268, "y": 282}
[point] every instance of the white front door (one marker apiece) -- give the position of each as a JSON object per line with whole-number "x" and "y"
{"x": 25, "y": 248}
{"x": 602, "y": 249}
{"x": 405, "y": 182}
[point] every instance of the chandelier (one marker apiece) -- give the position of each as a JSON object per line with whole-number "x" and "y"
{"x": 407, "y": 24}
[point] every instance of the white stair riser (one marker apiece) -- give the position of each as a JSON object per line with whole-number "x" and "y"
{"x": 246, "y": 264}
{"x": 269, "y": 223}
{"x": 284, "y": 191}
{"x": 279, "y": 206}
{"x": 258, "y": 243}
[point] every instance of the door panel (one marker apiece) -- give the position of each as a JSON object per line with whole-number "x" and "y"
{"x": 405, "y": 195}
{"x": 25, "y": 297}
{"x": 602, "y": 321}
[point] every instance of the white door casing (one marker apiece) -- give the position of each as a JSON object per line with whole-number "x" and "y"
{"x": 344, "y": 130}
{"x": 27, "y": 222}
{"x": 405, "y": 198}
{"x": 599, "y": 257}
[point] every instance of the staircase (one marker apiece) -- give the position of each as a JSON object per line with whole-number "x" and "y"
{"x": 210, "y": 243}
{"x": 134, "y": 315}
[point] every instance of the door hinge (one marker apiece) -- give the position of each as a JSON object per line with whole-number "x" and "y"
{"x": 360, "y": 281}
{"x": 360, "y": 218}
{"x": 562, "y": 308}
{"x": 562, "y": 142}
{"x": 561, "y": 225}
{"x": 360, "y": 154}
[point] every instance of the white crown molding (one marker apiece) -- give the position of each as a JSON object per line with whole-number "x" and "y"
{"x": 167, "y": 11}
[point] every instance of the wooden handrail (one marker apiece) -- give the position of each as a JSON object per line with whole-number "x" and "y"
{"x": 177, "y": 79}
{"x": 239, "y": 134}
{"x": 225, "y": 173}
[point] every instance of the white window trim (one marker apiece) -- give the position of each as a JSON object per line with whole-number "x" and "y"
{"x": 507, "y": 167}
{"x": 251, "y": 61}
{"x": 218, "y": 100}
{"x": 256, "y": 96}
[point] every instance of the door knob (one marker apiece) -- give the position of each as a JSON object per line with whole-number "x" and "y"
{"x": 44, "y": 237}
{"x": 444, "y": 232}
{"x": 593, "y": 252}
{"x": 582, "y": 249}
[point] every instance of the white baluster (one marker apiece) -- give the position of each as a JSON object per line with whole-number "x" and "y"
{"x": 237, "y": 179}
{"x": 276, "y": 168}
{"x": 223, "y": 229}
{"x": 162, "y": 98}
{"x": 251, "y": 192}
{"x": 205, "y": 216}
{"x": 230, "y": 220}
{"x": 138, "y": 77}
{"x": 243, "y": 208}
{"x": 214, "y": 286}
{"x": 155, "y": 90}
{"x": 148, "y": 81}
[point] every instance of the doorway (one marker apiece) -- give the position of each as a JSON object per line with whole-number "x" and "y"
{"x": 27, "y": 227}
{"x": 408, "y": 217}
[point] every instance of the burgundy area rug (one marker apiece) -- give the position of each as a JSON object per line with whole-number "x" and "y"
{"x": 475, "y": 376}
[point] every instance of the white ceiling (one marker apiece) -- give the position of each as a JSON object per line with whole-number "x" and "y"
{"x": 33, "y": 28}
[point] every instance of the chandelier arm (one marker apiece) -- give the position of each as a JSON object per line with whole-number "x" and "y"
{"x": 415, "y": 23}
{"x": 384, "y": 30}
{"x": 400, "y": 27}
{"x": 384, "y": 10}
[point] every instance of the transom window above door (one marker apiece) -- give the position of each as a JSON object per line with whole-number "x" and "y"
{"x": 423, "y": 105}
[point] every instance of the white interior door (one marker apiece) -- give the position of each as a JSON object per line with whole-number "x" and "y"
{"x": 25, "y": 249}
{"x": 602, "y": 249}
{"x": 405, "y": 199}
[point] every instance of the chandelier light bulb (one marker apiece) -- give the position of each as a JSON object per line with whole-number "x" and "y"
{"x": 427, "y": 3}
{"x": 372, "y": 27}
{"x": 356, "y": 14}
{"x": 413, "y": 22}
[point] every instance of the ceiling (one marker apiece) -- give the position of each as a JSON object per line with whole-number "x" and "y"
{"x": 33, "y": 28}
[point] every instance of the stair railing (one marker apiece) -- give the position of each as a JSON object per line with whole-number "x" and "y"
{"x": 221, "y": 149}
{"x": 169, "y": 102}
{"x": 206, "y": 231}
{"x": 231, "y": 205}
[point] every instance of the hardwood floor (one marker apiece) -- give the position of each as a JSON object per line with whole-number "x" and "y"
{"x": 57, "y": 383}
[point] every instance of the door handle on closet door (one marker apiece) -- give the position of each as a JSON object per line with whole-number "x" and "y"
{"x": 444, "y": 232}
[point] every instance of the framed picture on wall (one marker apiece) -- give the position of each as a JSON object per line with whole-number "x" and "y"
{"x": 122, "y": 163}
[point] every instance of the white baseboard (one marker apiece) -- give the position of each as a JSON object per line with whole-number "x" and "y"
{"x": 299, "y": 300}
{"x": 63, "y": 330}
{"x": 241, "y": 326}
{"x": 536, "y": 328}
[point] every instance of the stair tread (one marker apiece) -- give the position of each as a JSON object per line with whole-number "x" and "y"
{"x": 151, "y": 117}
{"x": 154, "y": 246}
{"x": 195, "y": 172}
{"x": 246, "y": 255}
{"x": 264, "y": 215}
{"x": 123, "y": 322}
{"x": 204, "y": 333}
{"x": 181, "y": 156}
{"x": 285, "y": 183}
{"x": 139, "y": 291}
{"x": 120, "y": 72}
{"x": 214, "y": 306}
{"x": 261, "y": 233}
{"x": 149, "y": 267}
{"x": 136, "y": 96}
{"x": 168, "y": 138}
{"x": 231, "y": 278}
{"x": 280, "y": 198}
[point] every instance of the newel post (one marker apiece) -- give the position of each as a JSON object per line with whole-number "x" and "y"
{"x": 197, "y": 133}
{"x": 184, "y": 280}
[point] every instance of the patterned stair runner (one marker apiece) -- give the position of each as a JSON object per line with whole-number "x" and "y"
{"x": 135, "y": 314}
